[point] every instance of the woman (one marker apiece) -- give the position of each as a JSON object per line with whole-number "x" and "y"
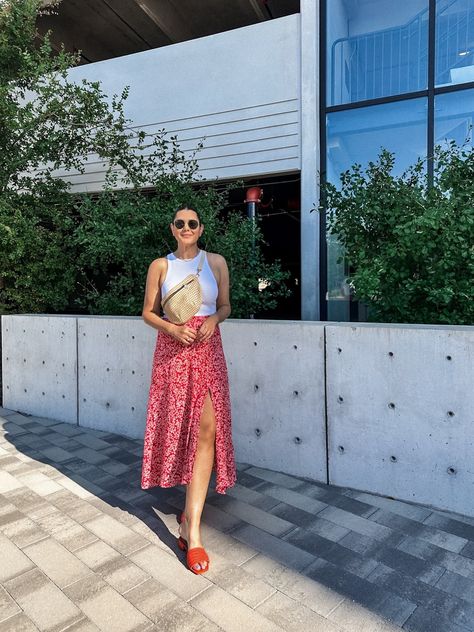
{"x": 188, "y": 427}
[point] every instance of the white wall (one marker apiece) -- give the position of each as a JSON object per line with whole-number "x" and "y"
{"x": 301, "y": 369}
{"x": 239, "y": 88}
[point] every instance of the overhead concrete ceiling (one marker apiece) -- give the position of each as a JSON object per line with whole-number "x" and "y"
{"x": 103, "y": 29}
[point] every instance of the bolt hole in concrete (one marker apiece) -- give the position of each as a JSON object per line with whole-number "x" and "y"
{"x": 297, "y": 439}
{"x": 295, "y": 346}
{"x": 107, "y": 404}
{"x": 339, "y": 350}
{"x": 390, "y": 353}
{"x": 391, "y": 405}
{"x": 451, "y": 470}
{"x": 255, "y": 388}
{"x": 295, "y": 393}
{"x": 255, "y": 343}
{"x": 258, "y": 432}
{"x": 393, "y": 459}
{"x": 341, "y": 449}
{"x": 340, "y": 399}
{"x": 448, "y": 357}
{"x": 450, "y": 413}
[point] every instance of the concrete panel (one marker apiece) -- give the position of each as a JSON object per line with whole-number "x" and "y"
{"x": 276, "y": 372}
{"x": 401, "y": 412}
{"x": 114, "y": 367}
{"x": 39, "y": 365}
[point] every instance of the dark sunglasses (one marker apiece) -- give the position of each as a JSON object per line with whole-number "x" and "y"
{"x": 192, "y": 223}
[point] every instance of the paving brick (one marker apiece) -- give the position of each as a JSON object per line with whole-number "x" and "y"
{"x": 292, "y": 498}
{"x": 8, "y": 607}
{"x": 69, "y": 533}
{"x": 170, "y": 571}
{"x": 23, "y": 531}
{"x": 376, "y": 599}
{"x": 457, "y": 585}
{"x": 229, "y": 613}
{"x": 456, "y": 527}
{"x": 458, "y": 611}
{"x": 425, "y": 620}
{"x": 8, "y": 482}
{"x": 415, "y": 512}
{"x": 277, "y": 549}
{"x": 56, "y": 454}
{"x": 468, "y": 550}
{"x": 332, "y": 552}
{"x": 294, "y": 515}
{"x": 402, "y": 584}
{"x": 243, "y": 585}
{"x": 121, "y": 574}
{"x": 420, "y": 530}
{"x": 96, "y": 554}
{"x": 18, "y": 623}
{"x": 438, "y": 556}
{"x": 293, "y": 616}
{"x": 277, "y": 478}
{"x": 14, "y": 561}
{"x": 252, "y": 497}
{"x": 167, "y": 610}
{"x": 253, "y": 515}
{"x": 116, "y": 534}
{"x": 106, "y": 607}
{"x": 68, "y": 430}
{"x": 43, "y": 602}
{"x": 61, "y": 566}
{"x": 355, "y": 523}
{"x": 352, "y": 617}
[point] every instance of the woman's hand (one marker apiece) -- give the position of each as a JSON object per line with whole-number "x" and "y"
{"x": 183, "y": 333}
{"x": 206, "y": 330}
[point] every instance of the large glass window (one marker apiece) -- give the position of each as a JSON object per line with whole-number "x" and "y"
{"x": 454, "y": 42}
{"x": 357, "y": 135}
{"x": 454, "y": 116}
{"x": 376, "y": 48}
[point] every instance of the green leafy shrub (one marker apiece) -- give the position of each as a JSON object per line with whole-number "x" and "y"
{"x": 89, "y": 253}
{"x": 410, "y": 243}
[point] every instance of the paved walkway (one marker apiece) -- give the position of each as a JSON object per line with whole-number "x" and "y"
{"x": 83, "y": 548}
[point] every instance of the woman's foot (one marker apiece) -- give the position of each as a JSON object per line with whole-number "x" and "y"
{"x": 193, "y": 539}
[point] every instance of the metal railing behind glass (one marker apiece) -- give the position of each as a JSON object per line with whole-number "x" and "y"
{"x": 395, "y": 60}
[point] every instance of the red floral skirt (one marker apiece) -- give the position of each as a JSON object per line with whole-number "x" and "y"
{"x": 181, "y": 378}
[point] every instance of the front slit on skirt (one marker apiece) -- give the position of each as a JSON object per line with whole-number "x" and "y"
{"x": 181, "y": 377}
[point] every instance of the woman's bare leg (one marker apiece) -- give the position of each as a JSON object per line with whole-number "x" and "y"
{"x": 196, "y": 490}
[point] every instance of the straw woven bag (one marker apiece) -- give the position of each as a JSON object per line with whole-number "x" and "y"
{"x": 184, "y": 299}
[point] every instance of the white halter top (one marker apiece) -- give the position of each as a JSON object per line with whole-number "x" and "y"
{"x": 178, "y": 269}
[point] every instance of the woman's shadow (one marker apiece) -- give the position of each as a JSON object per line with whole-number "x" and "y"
{"x": 106, "y": 465}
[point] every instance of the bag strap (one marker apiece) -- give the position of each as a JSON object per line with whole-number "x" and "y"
{"x": 201, "y": 262}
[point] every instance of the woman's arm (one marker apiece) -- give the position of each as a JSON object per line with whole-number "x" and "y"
{"x": 152, "y": 301}
{"x": 221, "y": 272}
{"x": 223, "y": 307}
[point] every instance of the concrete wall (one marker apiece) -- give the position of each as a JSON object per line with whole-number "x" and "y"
{"x": 239, "y": 89}
{"x": 394, "y": 402}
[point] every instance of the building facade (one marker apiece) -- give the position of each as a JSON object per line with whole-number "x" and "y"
{"x": 306, "y": 95}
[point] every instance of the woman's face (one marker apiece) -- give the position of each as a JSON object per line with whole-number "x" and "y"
{"x": 186, "y": 235}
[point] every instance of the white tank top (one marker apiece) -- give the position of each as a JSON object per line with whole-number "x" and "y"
{"x": 178, "y": 269}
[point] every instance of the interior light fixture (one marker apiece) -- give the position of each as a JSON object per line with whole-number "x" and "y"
{"x": 463, "y": 53}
